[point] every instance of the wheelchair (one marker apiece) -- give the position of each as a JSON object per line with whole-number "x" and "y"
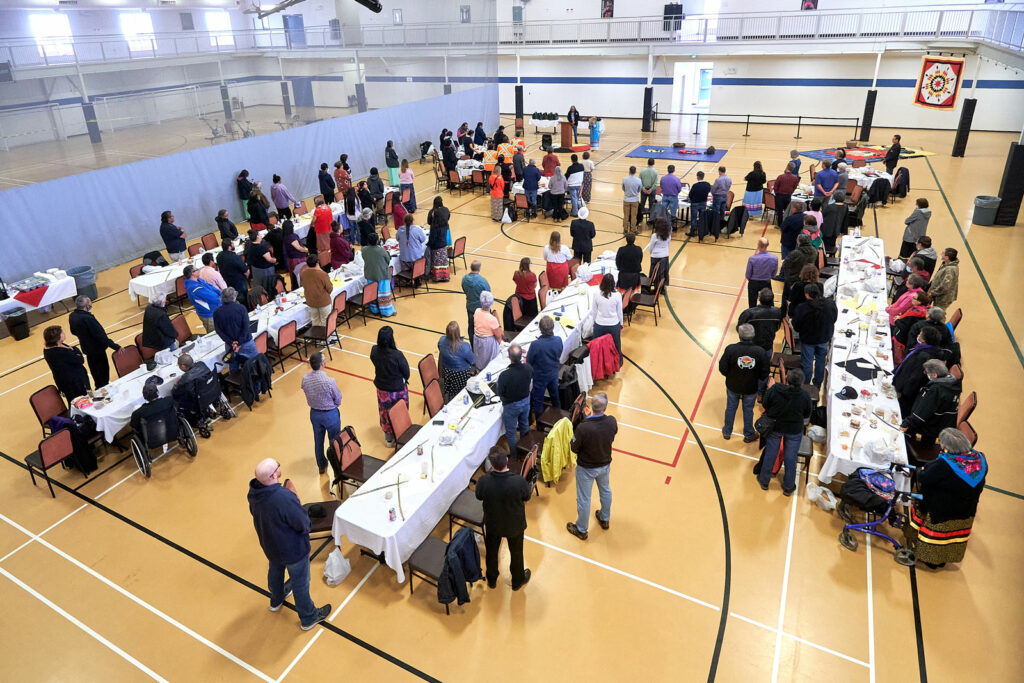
{"x": 204, "y": 405}
{"x": 155, "y": 434}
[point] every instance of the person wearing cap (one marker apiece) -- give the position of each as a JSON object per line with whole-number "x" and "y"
{"x": 204, "y": 296}
{"x": 582, "y": 232}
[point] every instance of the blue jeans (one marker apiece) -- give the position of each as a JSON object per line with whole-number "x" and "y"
{"x": 515, "y": 416}
{"x": 813, "y": 355}
{"x": 574, "y": 197}
{"x": 718, "y": 207}
{"x": 299, "y": 574}
{"x": 790, "y": 446}
{"x": 671, "y": 207}
{"x": 785, "y": 251}
{"x": 531, "y": 197}
{"x": 698, "y": 220}
{"x": 325, "y": 422}
{"x": 584, "y": 487}
{"x": 541, "y": 385}
{"x": 732, "y": 401}
{"x": 245, "y": 351}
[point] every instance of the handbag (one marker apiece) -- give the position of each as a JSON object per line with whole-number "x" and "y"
{"x": 764, "y": 425}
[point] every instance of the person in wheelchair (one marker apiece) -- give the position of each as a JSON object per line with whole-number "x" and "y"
{"x": 197, "y": 392}
{"x": 155, "y": 422}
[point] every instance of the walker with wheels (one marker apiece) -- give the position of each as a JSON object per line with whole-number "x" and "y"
{"x": 874, "y": 492}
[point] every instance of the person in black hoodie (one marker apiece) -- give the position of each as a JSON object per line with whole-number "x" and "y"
{"x": 225, "y": 226}
{"x": 282, "y": 526}
{"x": 765, "y": 318}
{"x": 504, "y": 495}
{"x": 745, "y": 366}
{"x": 936, "y": 406}
{"x": 93, "y": 340}
{"x": 789, "y": 405}
{"x": 815, "y": 321}
{"x": 582, "y": 232}
{"x": 792, "y": 225}
{"x": 66, "y": 364}
{"x": 157, "y": 331}
{"x": 326, "y": 184}
{"x": 908, "y": 378}
{"x": 629, "y": 259}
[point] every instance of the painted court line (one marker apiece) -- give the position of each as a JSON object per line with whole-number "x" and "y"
{"x": 139, "y": 601}
{"x": 798, "y": 639}
{"x": 871, "y": 613}
{"x": 85, "y": 629}
{"x": 320, "y": 631}
{"x": 785, "y": 591}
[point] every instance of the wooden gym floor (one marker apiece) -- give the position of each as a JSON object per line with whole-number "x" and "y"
{"x": 700, "y": 573}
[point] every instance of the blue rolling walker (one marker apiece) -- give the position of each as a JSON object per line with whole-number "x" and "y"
{"x": 874, "y": 491}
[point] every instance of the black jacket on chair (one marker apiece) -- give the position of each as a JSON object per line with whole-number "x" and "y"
{"x": 504, "y": 495}
{"x": 461, "y": 566}
{"x": 256, "y": 378}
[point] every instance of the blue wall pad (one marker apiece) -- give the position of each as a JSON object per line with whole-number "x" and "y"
{"x": 112, "y": 215}
{"x": 657, "y": 152}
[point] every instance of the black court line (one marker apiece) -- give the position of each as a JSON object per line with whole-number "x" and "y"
{"x": 229, "y": 574}
{"x": 918, "y": 631}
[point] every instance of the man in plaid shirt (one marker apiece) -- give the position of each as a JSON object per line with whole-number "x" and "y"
{"x": 323, "y": 397}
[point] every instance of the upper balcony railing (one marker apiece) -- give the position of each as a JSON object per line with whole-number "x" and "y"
{"x": 1001, "y": 25}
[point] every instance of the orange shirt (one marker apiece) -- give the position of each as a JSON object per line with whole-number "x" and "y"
{"x": 343, "y": 181}
{"x": 322, "y": 217}
{"x": 497, "y": 185}
{"x": 490, "y": 158}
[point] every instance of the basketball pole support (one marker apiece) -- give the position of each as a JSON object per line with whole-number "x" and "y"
{"x": 963, "y": 129}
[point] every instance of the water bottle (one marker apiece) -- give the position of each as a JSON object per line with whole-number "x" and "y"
{"x": 563, "y": 309}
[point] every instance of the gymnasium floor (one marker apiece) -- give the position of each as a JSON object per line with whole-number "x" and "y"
{"x": 59, "y": 158}
{"x": 701, "y": 573}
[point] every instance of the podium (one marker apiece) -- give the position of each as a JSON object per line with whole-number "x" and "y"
{"x": 567, "y": 140}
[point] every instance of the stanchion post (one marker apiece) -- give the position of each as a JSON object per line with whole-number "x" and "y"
{"x": 746, "y": 133}
{"x": 696, "y": 128}
{"x": 799, "y": 120}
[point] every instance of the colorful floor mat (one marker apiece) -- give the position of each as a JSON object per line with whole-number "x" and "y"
{"x": 869, "y": 153}
{"x": 671, "y": 153}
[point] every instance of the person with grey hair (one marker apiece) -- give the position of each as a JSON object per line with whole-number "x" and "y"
{"x": 745, "y": 365}
{"x": 592, "y": 443}
{"x": 473, "y": 283}
{"x": 231, "y": 323}
{"x": 323, "y": 398}
{"x": 282, "y": 526}
{"x": 187, "y": 388}
{"x": 367, "y": 225}
{"x": 93, "y": 340}
{"x": 487, "y": 331}
{"x": 514, "y": 390}
{"x": 157, "y": 331}
{"x": 935, "y": 408}
{"x": 842, "y": 178}
{"x": 936, "y": 320}
{"x": 949, "y": 487}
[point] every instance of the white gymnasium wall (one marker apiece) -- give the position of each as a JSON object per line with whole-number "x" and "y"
{"x": 817, "y": 85}
{"x": 598, "y": 86}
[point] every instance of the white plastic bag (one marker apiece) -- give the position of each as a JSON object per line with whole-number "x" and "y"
{"x": 336, "y": 568}
{"x": 505, "y": 217}
{"x": 821, "y": 496}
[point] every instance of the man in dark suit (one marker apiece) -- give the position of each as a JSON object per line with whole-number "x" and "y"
{"x": 504, "y": 495}
{"x": 93, "y": 339}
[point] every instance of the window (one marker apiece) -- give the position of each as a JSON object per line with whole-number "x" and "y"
{"x": 137, "y": 28}
{"x": 218, "y": 23}
{"x": 396, "y": 17}
{"x": 464, "y": 14}
{"x": 52, "y": 32}
{"x": 704, "y": 91}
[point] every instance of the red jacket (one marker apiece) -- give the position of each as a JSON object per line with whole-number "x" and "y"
{"x": 604, "y": 358}
{"x": 322, "y": 217}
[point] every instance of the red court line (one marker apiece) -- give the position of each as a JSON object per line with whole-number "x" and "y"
{"x": 352, "y": 374}
{"x": 642, "y": 457}
{"x": 711, "y": 367}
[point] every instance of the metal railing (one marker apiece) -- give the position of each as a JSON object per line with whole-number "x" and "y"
{"x": 1001, "y": 25}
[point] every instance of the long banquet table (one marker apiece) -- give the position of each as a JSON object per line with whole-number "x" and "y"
{"x": 432, "y": 481}
{"x": 861, "y": 357}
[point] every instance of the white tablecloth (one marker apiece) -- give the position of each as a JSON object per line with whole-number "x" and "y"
{"x": 465, "y": 167}
{"x": 537, "y": 123}
{"x": 57, "y": 290}
{"x": 126, "y": 392}
{"x": 861, "y": 299}
{"x": 161, "y": 281}
{"x": 865, "y": 176}
{"x": 364, "y": 518}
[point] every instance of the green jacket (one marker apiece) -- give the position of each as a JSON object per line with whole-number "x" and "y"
{"x": 649, "y": 177}
{"x": 375, "y": 263}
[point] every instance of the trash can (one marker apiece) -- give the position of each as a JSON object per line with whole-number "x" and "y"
{"x": 16, "y": 320}
{"x": 85, "y": 280}
{"x": 985, "y": 210}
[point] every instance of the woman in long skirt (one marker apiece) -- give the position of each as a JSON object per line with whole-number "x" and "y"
{"x": 941, "y": 522}
{"x": 375, "y": 269}
{"x": 588, "y": 177}
{"x": 595, "y": 134}
{"x": 405, "y": 178}
{"x": 391, "y": 161}
{"x": 557, "y": 256}
{"x": 753, "y": 197}
{"x": 390, "y": 378}
{"x": 437, "y": 240}
{"x": 497, "y": 184}
{"x": 487, "y": 332}
{"x": 457, "y": 361}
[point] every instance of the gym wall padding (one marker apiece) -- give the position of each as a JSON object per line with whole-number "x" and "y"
{"x": 112, "y": 215}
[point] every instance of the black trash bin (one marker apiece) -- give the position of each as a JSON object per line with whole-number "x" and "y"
{"x": 985, "y": 210}
{"x": 16, "y": 320}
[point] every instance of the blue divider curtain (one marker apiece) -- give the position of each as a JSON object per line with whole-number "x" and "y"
{"x": 112, "y": 215}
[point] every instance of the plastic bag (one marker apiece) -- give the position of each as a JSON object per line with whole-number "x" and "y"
{"x": 821, "y": 496}
{"x": 337, "y": 568}
{"x": 505, "y": 218}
